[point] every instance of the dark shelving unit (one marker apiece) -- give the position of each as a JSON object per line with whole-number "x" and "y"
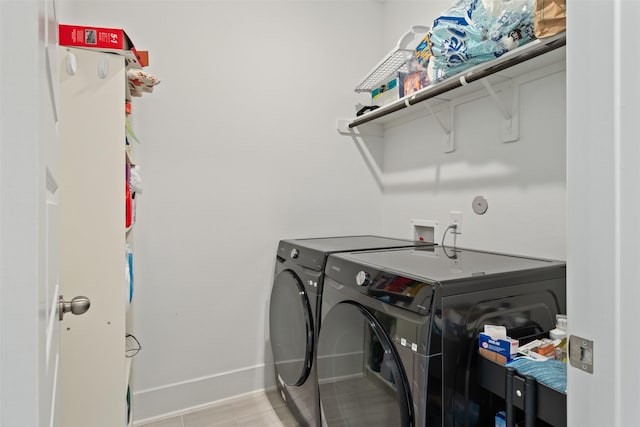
{"x": 538, "y": 401}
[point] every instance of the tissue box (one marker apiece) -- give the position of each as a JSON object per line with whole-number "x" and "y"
{"x": 500, "y": 351}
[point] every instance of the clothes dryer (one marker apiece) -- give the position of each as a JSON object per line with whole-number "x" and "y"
{"x": 399, "y": 337}
{"x": 293, "y": 313}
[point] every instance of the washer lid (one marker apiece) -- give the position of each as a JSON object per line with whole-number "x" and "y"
{"x": 353, "y": 243}
{"x": 312, "y": 253}
{"x": 445, "y": 264}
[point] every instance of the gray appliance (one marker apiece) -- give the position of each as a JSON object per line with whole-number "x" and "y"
{"x": 293, "y": 313}
{"x": 398, "y": 343}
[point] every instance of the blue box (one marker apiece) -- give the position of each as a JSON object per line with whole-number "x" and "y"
{"x": 505, "y": 349}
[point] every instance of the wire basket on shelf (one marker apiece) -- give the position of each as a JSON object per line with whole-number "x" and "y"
{"x": 395, "y": 60}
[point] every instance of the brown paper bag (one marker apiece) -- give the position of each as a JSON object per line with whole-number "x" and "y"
{"x": 550, "y": 17}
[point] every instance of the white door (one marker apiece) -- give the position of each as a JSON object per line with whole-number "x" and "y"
{"x": 603, "y": 179}
{"x": 28, "y": 215}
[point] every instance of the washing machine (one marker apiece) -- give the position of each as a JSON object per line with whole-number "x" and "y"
{"x": 399, "y": 337}
{"x": 293, "y": 313}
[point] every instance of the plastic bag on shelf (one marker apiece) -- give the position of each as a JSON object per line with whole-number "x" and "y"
{"x": 414, "y": 79}
{"x": 141, "y": 82}
{"x": 135, "y": 179}
{"x": 495, "y": 8}
{"x": 474, "y": 31}
{"x": 414, "y": 76}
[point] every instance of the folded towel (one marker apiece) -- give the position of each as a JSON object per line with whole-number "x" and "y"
{"x": 552, "y": 373}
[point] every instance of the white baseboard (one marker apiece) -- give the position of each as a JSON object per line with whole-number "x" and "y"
{"x": 158, "y": 403}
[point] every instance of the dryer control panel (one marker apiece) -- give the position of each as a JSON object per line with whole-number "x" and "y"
{"x": 414, "y": 295}
{"x": 389, "y": 288}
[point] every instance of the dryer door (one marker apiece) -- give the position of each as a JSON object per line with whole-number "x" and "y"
{"x": 291, "y": 328}
{"x": 362, "y": 381}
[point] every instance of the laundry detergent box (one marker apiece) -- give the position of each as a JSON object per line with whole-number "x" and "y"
{"x": 113, "y": 40}
{"x": 501, "y": 350}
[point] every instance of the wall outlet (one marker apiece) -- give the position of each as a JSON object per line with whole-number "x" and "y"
{"x": 456, "y": 218}
{"x": 423, "y": 230}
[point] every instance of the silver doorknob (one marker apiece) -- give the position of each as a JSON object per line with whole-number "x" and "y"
{"x": 78, "y": 305}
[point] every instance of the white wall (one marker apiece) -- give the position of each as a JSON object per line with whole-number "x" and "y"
{"x": 240, "y": 150}
{"x": 523, "y": 181}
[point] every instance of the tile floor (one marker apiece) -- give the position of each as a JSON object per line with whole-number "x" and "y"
{"x": 263, "y": 409}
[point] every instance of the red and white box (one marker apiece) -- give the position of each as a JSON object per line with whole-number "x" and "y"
{"x": 103, "y": 39}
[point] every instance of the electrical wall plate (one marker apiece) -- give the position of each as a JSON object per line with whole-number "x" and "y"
{"x": 456, "y": 219}
{"x": 581, "y": 353}
{"x": 423, "y": 230}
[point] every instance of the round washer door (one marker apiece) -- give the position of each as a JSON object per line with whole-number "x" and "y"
{"x": 291, "y": 328}
{"x": 361, "y": 379}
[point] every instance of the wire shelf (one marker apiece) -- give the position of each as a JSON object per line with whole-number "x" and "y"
{"x": 497, "y": 67}
{"x": 395, "y": 61}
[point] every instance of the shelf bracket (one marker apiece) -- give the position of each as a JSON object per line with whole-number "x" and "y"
{"x": 447, "y": 139}
{"x": 509, "y": 131}
{"x": 343, "y": 127}
{"x": 356, "y": 134}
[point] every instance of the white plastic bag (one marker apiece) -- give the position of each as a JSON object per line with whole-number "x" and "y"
{"x": 468, "y": 33}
